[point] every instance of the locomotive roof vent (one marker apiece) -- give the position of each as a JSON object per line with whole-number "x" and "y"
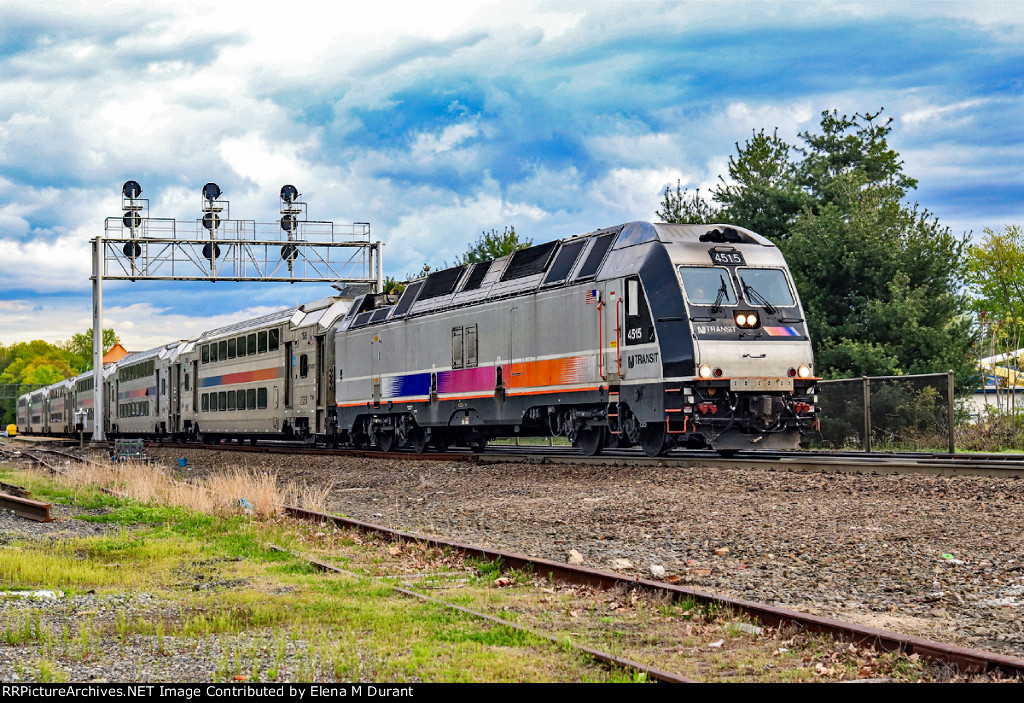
{"x": 722, "y": 235}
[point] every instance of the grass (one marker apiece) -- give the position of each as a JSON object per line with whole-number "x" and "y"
{"x": 258, "y": 614}
{"x": 214, "y": 590}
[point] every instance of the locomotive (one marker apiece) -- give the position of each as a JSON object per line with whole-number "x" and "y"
{"x": 644, "y": 334}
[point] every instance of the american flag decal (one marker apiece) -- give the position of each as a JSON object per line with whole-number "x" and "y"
{"x": 592, "y": 296}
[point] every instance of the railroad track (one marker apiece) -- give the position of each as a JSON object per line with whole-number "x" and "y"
{"x": 929, "y": 463}
{"x": 995, "y": 465}
{"x": 966, "y": 660}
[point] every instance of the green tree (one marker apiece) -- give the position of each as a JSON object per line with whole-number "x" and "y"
{"x": 34, "y": 363}
{"x": 879, "y": 277}
{"x": 80, "y": 345}
{"x": 492, "y": 245}
{"x": 392, "y": 286}
{"x": 995, "y": 274}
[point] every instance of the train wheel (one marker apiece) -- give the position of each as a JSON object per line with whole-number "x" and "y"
{"x": 653, "y": 439}
{"x": 419, "y": 441}
{"x": 386, "y": 441}
{"x": 478, "y": 445}
{"x": 590, "y": 442}
{"x": 440, "y": 442}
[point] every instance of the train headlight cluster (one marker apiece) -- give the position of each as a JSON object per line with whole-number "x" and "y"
{"x": 746, "y": 320}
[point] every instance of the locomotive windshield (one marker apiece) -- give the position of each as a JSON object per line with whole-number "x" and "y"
{"x": 707, "y": 286}
{"x": 767, "y": 285}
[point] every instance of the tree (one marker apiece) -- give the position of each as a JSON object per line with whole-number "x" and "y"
{"x": 685, "y": 208}
{"x": 392, "y": 286}
{"x": 80, "y": 345}
{"x": 879, "y": 278}
{"x": 995, "y": 274}
{"x": 32, "y": 364}
{"x": 493, "y": 245}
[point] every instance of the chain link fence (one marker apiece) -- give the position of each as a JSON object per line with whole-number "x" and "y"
{"x": 877, "y": 413}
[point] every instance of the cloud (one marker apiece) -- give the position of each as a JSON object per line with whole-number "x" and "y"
{"x": 437, "y": 121}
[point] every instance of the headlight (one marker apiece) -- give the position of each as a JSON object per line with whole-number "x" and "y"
{"x": 804, "y": 371}
{"x": 705, "y": 371}
{"x": 746, "y": 320}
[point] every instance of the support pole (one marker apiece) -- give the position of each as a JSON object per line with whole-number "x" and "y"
{"x": 97, "y": 340}
{"x": 867, "y": 414}
{"x": 380, "y": 266}
{"x": 952, "y": 413}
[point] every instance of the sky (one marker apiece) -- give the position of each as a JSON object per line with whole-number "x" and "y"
{"x": 438, "y": 121}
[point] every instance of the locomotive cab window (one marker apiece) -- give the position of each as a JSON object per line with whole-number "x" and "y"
{"x": 769, "y": 285}
{"x": 303, "y": 365}
{"x": 639, "y": 326}
{"x": 706, "y": 285}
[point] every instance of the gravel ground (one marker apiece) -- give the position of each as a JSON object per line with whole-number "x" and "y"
{"x": 936, "y": 557}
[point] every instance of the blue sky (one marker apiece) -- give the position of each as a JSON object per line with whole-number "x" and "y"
{"x": 436, "y": 121}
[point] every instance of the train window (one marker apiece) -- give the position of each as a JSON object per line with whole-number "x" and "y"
{"x": 222, "y": 400}
{"x": 639, "y": 326}
{"x": 527, "y": 262}
{"x": 240, "y": 345}
{"x": 250, "y": 343}
{"x": 231, "y": 348}
{"x": 564, "y": 262}
{"x": 186, "y": 382}
{"x": 766, "y": 285}
{"x": 705, "y": 285}
{"x": 273, "y": 336}
{"x": 222, "y": 350}
{"x": 231, "y": 400}
{"x": 206, "y": 353}
{"x": 303, "y": 365}
{"x": 471, "y": 350}
{"x": 250, "y": 399}
{"x": 261, "y": 342}
{"x": 261, "y": 398}
{"x": 214, "y": 404}
{"x": 213, "y": 352}
{"x": 206, "y": 403}
{"x": 595, "y": 257}
{"x": 163, "y": 386}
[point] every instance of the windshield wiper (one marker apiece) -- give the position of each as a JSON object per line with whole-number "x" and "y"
{"x": 758, "y": 299}
{"x": 722, "y": 291}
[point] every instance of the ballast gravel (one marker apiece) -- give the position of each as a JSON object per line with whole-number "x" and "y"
{"x": 940, "y": 557}
{"x": 937, "y": 557}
